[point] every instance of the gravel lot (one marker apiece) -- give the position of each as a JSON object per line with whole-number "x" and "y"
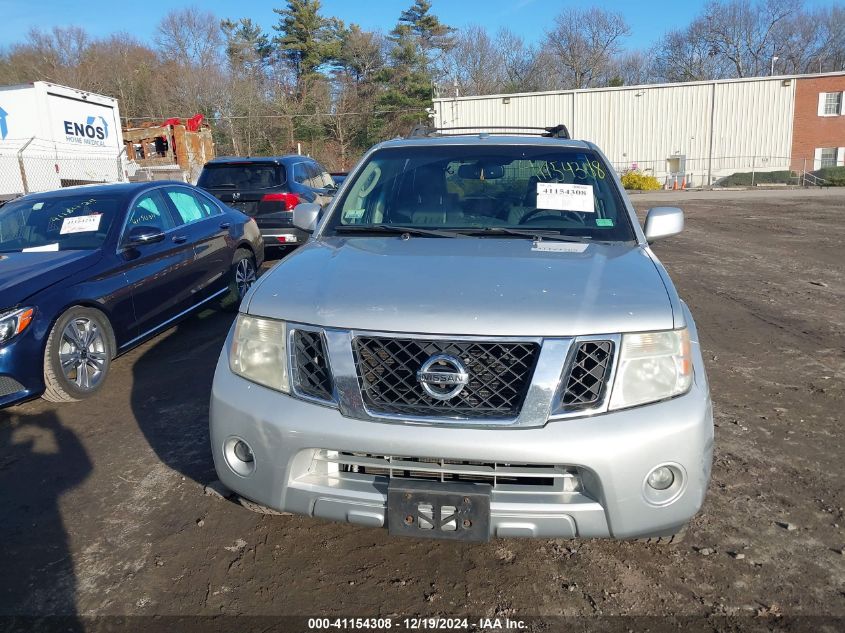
{"x": 104, "y": 510}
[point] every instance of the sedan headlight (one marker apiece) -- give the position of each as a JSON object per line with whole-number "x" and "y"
{"x": 259, "y": 352}
{"x": 13, "y": 322}
{"x": 652, "y": 366}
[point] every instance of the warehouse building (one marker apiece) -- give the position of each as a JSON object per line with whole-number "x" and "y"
{"x": 698, "y": 131}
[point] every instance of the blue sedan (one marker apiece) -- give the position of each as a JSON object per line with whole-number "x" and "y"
{"x": 87, "y": 273}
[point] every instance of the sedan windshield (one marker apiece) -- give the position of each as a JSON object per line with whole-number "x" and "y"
{"x": 496, "y": 191}
{"x": 72, "y": 222}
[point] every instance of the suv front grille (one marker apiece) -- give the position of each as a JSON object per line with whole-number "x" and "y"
{"x": 313, "y": 377}
{"x": 588, "y": 375}
{"x": 499, "y": 376}
{"x": 554, "y": 476}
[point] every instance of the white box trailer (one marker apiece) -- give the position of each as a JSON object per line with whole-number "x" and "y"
{"x": 53, "y": 136}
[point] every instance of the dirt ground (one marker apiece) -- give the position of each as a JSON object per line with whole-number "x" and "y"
{"x": 104, "y": 512}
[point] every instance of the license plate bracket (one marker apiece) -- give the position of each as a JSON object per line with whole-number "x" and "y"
{"x": 439, "y": 510}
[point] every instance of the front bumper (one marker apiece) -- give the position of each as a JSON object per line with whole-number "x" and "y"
{"x": 612, "y": 454}
{"x": 21, "y": 367}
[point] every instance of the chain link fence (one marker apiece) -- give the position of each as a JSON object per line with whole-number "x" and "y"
{"x": 34, "y": 165}
{"x": 726, "y": 170}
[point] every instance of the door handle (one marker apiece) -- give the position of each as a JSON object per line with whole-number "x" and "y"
{"x": 180, "y": 239}
{"x": 225, "y": 225}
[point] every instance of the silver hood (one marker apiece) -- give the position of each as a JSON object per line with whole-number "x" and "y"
{"x": 467, "y": 286}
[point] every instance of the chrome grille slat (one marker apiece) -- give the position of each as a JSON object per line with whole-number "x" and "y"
{"x": 446, "y": 470}
{"x": 499, "y": 375}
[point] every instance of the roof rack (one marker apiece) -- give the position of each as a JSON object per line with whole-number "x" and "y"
{"x": 557, "y": 131}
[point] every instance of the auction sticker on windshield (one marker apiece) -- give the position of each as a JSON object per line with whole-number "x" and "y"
{"x": 565, "y": 197}
{"x": 81, "y": 224}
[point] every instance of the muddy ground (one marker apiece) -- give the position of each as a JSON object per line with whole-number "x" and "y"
{"x": 103, "y": 510}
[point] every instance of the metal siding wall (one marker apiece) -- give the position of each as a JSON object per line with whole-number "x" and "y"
{"x": 753, "y": 120}
{"x": 647, "y": 125}
{"x": 529, "y": 110}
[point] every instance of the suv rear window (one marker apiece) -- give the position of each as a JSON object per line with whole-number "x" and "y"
{"x": 241, "y": 176}
{"x": 563, "y": 189}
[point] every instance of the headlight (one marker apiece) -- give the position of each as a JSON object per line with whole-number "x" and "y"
{"x": 259, "y": 352}
{"x": 652, "y": 366}
{"x": 14, "y": 322}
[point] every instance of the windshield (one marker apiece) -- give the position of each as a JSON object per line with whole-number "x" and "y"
{"x": 241, "y": 176}
{"x": 73, "y": 222}
{"x": 482, "y": 189}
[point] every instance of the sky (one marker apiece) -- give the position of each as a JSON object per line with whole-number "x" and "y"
{"x": 528, "y": 18}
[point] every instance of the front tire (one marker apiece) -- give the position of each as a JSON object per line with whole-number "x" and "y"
{"x": 78, "y": 355}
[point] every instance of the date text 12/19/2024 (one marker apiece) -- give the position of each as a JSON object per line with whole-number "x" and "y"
{"x": 414, "y": 624}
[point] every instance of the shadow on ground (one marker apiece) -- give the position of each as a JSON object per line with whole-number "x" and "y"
{"x": 40, "y": 460}
{"x": 171, "y": 388}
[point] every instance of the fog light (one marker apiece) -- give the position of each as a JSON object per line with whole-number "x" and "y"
{"x": 243, "y": 452}
{"x": 239, "y": 456}
{"x": 661, "y": 478}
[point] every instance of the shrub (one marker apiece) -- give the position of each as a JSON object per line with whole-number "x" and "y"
{"x": 743, "y": 178}
{"x": 638, "y": 181}
{"x": 833, "y": 176}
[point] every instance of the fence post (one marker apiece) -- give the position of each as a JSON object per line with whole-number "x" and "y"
{"x": 120, "y": 164}
{"x": 21, "y": 165}
{"x": 753, "y": 163}
{"x": 804, "y": 173}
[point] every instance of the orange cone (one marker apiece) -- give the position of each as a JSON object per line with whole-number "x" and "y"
{"x": 675, "y": 184}
{"x": 684, "y": 182}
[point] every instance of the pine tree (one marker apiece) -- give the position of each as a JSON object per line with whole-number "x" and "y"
{"x": 418, "y": 41}
{"x": 306, "y": 39}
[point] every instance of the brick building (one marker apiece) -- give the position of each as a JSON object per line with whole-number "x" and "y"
{"x": 818, "y": 124}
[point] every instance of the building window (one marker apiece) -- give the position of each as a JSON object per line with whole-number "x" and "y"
{"x": 832, "y": 103}
{"x": 827, "y": 157}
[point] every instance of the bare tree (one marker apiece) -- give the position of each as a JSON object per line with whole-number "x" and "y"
{"x": 632, "y": 68}
{"x": 686, "y": 55}
{"x": 189, "y": 37}
{"x": 474, "y": 63}
{"x": 744, "y": 32}
{"x": 812, "y": 41}
{"x": 583, "y": 43}
{"x": 127, "y": 70}
{"x": 522, "y": 67}
{"x": 190, "y": 45}
{"x": 57, "y": 55}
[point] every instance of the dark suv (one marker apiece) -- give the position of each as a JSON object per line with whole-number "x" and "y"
{"x": 268, "y": 189}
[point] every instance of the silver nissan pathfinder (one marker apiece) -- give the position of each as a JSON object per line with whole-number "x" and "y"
{"x": 477, "y": 341}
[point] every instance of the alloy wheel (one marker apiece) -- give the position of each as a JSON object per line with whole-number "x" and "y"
{"x": 244, "y": 276}
{"x": 82, "y": 353}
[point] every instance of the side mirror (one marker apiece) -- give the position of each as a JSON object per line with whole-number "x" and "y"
{"x": 663, "y": 222}
{"x": 141, "y": 235}
{"x": 305, "y": 216}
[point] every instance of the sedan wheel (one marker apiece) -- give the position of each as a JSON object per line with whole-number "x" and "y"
{"x": 244, "y": 275}
{"x": 82, "y": 353}
{"x": 77, "y": 355}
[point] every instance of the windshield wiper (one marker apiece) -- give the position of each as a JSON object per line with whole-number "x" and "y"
{"x": 536, "y": 234}
{"x": 392, "y": 229}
